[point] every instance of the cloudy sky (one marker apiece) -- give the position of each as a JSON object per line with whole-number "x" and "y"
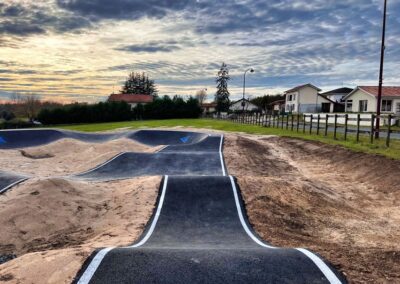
{"x": 82, "y": 50}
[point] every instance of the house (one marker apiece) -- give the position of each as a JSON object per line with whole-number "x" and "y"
{"x": 278, "y": 106}
{"x": 131, "y": 99}
{"x": 307, "y": 99}
{"x": 248, "y": 106}
{"x": 365, "y": 98}
{"x": 337, "y": 97}
{"x": 209, "y": 107}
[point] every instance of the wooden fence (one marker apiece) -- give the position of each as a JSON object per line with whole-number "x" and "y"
{"x": 317, "y": 124}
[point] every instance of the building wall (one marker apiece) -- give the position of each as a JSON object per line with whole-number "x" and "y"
{"x": 306, "y": 100}
{"x": 358, "y": 96}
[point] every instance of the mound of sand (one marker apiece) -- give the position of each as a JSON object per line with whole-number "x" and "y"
{"x": 341, "y": 204}
{"x": 66, "y": 156}
{"x": 52, "y": 225}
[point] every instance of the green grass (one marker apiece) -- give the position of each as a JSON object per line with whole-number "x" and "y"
{"x": 378, "y": 147}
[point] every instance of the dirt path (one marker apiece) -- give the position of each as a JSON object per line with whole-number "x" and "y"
{"x": 52, "y": 225}
{"x": 341, "y": 204}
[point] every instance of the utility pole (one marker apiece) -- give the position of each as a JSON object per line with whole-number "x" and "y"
{"x": 379, "y": 103}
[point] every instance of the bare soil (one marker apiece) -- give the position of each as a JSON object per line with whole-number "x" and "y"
{"x": 340, "y": 204}
{"x": 66, "y": 156}
{"x": 52, "y": 225}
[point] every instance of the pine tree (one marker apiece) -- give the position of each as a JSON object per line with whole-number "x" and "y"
{"x": 139, "y": 84}
{"x": 222, "y": 94}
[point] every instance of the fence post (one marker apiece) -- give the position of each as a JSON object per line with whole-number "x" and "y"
{"x": 304, "y": 123}
{"x": 326, "y": 124}
{"x": 388, "y": 131}
{"x": 291, "y": 117}
{"x": 311, "y": 122}
{"x": 335, "y": 128}
{"x": 318, "y": 120}
{"x": 358, "y": 128}
{"x": 372, "y": 128}
{"x": 287, "y": 121}
{"x": 283, "y": 116}
{"x": 298, "y": 122}
{"x": 346, "y": 120}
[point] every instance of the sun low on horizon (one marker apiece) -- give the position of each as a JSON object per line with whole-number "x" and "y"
{"x": 83, "y": 50}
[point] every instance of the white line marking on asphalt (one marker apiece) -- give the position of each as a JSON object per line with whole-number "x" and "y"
{"x": 96, "y": 261}
{"x": 94, "y": 264}
{"x": 332, "y": 278}
{"x": 244, "y": 225}
{"x": 328, "y": 273}
{"x": 154, "y": 223}
{"x": 11, "y": 185}
{"x": 221, "y": 157}
{"x": 101, "y": 165}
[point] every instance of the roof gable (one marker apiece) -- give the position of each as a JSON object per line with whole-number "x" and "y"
{"x": 303, "y": 86}
{"x": 130, "y": 98}
{"x": 387, "y": 91}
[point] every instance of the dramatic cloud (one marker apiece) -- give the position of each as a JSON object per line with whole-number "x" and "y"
{"x": 85, "y": 48}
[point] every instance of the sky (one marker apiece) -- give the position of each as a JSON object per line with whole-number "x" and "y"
{"x": 83, "y": 50}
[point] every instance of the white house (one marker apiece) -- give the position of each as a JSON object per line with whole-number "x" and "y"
{"x": 364, "y": 99}
{"x": 248, "y": 106}
{"x": 307, "y": 99}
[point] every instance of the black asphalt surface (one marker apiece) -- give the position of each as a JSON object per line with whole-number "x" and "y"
{"x": 199, "y": 232}
{"x": 8, "y": 179}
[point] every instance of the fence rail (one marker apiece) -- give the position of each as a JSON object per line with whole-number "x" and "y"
{"x": 321, "y": 124}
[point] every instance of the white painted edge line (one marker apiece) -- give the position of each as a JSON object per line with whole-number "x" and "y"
{"x": 94, "y": 264}
{"x": 162, "y": 148}
{"x": 328, "y": 273}
{"x": 13, "y": 184}
{"x": 156, "y": 216}
{"x": 96, "y": 261}
{"x": 221, "y": 157}
{"x": 240, "y": 213}
{"x": 101, "y": 165}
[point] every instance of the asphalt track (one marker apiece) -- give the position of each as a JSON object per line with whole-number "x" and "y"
{"x": 199, "y": 232}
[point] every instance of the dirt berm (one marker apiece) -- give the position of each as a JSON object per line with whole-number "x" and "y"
{"x": 341, "y": 204}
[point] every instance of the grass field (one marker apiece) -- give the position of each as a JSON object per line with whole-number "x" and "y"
{"x": 363, "y": 146}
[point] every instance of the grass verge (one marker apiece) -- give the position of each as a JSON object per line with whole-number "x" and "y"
{"x": 378, "y": 147}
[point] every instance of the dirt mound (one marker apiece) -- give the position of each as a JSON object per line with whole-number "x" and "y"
{"x": 58, "y": 223}
{"x": 305, "y": 194}
{"x": 66, "y": 156}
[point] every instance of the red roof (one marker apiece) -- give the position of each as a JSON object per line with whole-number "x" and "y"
{"x": 387, "y": 91}
{"x": 130, "y": 98}
{"x": 213, "y": 104}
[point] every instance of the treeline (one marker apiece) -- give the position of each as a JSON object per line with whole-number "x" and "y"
{"x": 165, "y": 107}
{"x": 160, "y": 108}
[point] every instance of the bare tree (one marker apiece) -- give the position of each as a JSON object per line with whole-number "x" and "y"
{"x": 31, "y": 105}
{"x": 201, "y": 96}
{"x": 16, "y": 98}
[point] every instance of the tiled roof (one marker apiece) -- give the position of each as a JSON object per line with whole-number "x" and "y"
{"x": 387, "y": 91}
{"x": 338, "y": 91}
{"x": 130, "y": 98}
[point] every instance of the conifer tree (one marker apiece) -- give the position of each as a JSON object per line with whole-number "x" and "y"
{"x": 222, "y": 94}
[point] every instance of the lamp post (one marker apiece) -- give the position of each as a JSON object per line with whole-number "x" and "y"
{"x": 379, "y": 103}
{"x": 244, "y": 85}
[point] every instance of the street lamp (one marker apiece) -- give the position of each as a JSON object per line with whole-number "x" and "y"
{"x": 378, "y": 110}
{"x": 244, "y": 85}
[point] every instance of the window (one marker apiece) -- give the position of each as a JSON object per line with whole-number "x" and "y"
{"x": 349, "y": 105}
{"x": 398, "y": 108}
{"x": 363, "y": 106}
{"x": 290, "y": 98}
{"x": 294, "y": 97}
{"x": 386, "y": 105}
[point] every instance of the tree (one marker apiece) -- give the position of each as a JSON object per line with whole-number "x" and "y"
{"x": 31, "y": 105}
{"x": 222, "y": 95}
{"x": 139, "y": 84}
{"x": 265, "y": 101}
{"x": 201, "y": 96}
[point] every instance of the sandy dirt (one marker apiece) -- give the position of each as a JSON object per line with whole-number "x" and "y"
{"x": 66, "y": 156}
{"x": 52, "y": 225}
{"x": 341, "y": 204}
